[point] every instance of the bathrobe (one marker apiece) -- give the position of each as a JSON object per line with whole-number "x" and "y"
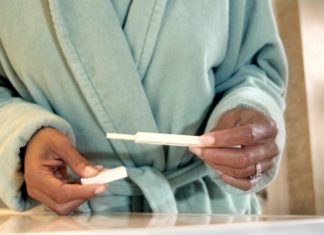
{"x": 169, "y": 66}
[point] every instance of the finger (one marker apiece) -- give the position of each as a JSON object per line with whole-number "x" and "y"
{"x": 238, "y": 157}
{"x": 57, "y": 166}
{"x": 265, "y": 165}
{"x": 78, "y": 164}
{"x": 69, "y": 192}
{"x": 61, "y": 192}
{"x": 52, "y": 163}
{"x": 243, "y": 135}
{"x": 99, "y": 167}
{"x": 243, "y": 184}
{"x": 59, "y": 208}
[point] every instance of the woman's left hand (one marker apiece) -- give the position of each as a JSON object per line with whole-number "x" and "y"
{"x": 241, "y": 147}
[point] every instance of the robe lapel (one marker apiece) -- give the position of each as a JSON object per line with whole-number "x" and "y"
{"x": 102, "y": 64}
{"x": 141, "y": 29}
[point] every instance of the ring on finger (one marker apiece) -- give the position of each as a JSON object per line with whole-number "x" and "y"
{"x": 258, "y": 172}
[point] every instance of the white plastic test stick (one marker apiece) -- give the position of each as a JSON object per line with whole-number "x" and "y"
{"x": 158, "y": 139}
{"x": 106, "y": 176}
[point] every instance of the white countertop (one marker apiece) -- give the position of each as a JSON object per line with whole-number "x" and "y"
{"x": 42, "y": 222}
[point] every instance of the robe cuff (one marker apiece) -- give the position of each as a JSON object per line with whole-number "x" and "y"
{"x": 18, "y": 122}
{"x": 263, "y": 102}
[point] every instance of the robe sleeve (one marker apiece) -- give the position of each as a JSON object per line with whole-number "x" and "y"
{"x": 19, "y": 120}
{"x": 253, "y": 74}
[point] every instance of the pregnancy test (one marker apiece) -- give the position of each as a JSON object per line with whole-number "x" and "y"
{"x": 158, "y": 139}
{"x": 106, "y": 176}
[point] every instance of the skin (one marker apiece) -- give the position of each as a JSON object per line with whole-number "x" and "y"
{"x": 49, "y": 153}
{"x": 248, "y": 128}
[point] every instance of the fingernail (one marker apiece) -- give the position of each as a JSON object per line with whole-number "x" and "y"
{"x": 100, "y": 189}
{"x": 99, "y": 167}
{"x": 90, "y": 171}
{"x": 196, "y": 151}
{"x": 207, "y": 140}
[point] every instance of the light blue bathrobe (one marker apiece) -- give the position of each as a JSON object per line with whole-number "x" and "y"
{"x": 91, "y": 67}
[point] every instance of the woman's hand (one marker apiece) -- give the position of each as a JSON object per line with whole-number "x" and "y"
{"x": 48, "y": 153}
{"x": 253, "y": 136}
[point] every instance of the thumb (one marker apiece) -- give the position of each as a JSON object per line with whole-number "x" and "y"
{"x": 77, "y": 163}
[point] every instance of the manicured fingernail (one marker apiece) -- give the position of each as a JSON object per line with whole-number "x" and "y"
{"x": 100, "y": 189}
{"x": 207, "y": 140}
{"x": 99, "y": 167}
{"x": 90, "y": 171}
{"x": 196, "y": 151}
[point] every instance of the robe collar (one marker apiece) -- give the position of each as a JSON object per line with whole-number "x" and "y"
{"x": 108, "y": 64}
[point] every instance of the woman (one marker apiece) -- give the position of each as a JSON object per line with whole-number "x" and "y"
{"x": 73, "y": 70}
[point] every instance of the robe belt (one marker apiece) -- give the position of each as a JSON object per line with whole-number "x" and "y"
{"x": 157, "y": 187}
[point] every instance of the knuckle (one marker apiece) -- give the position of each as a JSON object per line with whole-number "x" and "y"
{"x": 240, "y": 173}
{"x": 276, "y": 149}
{"x": 250, "y": 134}
{"x": 248, "y": 155}
{"x": 242, "y": 161}
{"x": 247, "y": 187}
{"x": 61, "y": 210}
{"x": 245, "y": 160}
{"x": 273, "y": 127}
{"x": 80, "y": 163}
{"x": 60, "y": 196}
{"x": 226, "y": 117}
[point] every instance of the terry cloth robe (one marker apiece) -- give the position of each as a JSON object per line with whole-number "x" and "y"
{"x": 91, "y": 67}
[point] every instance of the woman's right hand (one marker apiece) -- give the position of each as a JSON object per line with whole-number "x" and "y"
{"x": 48, "y": 154}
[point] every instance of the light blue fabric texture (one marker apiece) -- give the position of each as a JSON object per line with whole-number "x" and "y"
{"x": 91, "y": 67}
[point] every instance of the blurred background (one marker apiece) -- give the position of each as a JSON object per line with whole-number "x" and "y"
{"x": 299, "y": 187}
